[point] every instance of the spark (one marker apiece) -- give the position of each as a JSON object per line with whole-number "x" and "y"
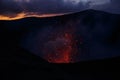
{"x": 63, "y": 50}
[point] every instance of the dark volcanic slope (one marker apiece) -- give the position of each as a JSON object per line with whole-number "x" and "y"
{"x": 97, "y": 34}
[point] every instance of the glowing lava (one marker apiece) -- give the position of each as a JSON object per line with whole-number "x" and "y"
{"x": 60, "y": 50}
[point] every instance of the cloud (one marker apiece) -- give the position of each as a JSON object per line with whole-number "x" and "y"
{"x": 11, "y": 8}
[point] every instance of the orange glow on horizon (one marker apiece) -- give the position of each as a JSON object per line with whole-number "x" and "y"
{"x": 19, "y": 16}
{"x": 24, "y": 15}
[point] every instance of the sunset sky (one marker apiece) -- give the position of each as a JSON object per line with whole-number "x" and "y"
{"x": 15, "y": 9}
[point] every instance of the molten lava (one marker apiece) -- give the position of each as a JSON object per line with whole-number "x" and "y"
{"x": 61, "y": 50}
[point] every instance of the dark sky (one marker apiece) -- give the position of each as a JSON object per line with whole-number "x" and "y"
{"x": 12, "y": 7}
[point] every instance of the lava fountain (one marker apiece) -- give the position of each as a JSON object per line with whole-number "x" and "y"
{"x": 61, "y": 49}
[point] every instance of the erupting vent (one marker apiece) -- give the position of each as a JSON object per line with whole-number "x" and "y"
{"x": 61, "y": 50}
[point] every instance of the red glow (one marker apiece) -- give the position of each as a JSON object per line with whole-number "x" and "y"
{"x": 63, "y": 49}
